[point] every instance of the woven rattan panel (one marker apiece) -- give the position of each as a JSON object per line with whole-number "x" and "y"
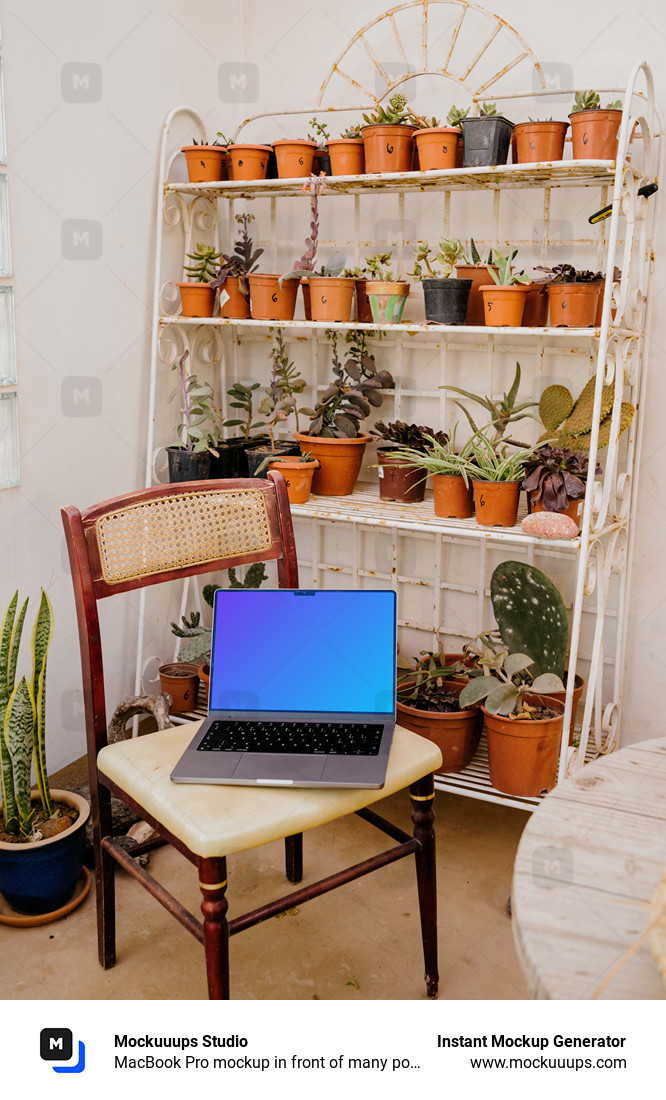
{"x": 178, "y": 531}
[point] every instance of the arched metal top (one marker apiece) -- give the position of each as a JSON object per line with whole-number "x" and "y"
{"x": 443, "y": 56}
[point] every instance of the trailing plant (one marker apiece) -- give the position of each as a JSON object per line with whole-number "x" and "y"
{"x": 502, "y": 412}
{"x": 414, "y": 436}
{"x": 531, "y": 615}
{"x": 321, "y": 134}
{"x": 205, "y": 263}
{"x": 243, "y": 398}
{"x": 456, "y": 115}
{"x": 568, "y": 423}
{"x": 305, "y": 267}
{"x": 487, "y": 461}
{"x": 556, "y": 475}
{"x": 23, "y": 719}
{"x": 590, "y": 101}
{"x": 197, "y": 414}
{"x": 355, "y": 389}
{"x": 242, "y": 261}
{"x": 395, "y": 113}
{"x": 196, "y": 638}
{"x": 504, "y": 688}
{"x": 446, "y": 256}
{"x": 285, "y": 381}
{"x": 504, "y": 276}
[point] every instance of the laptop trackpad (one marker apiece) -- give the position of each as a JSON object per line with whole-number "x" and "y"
{"x": 279, "y": 769}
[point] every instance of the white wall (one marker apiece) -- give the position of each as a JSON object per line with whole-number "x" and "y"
{"x": 89, "y": 318}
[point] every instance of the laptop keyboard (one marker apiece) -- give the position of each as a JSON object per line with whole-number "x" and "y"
{"x": 305, "y": 738}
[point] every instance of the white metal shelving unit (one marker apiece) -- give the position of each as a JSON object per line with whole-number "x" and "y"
{"x": 429, "y": 561}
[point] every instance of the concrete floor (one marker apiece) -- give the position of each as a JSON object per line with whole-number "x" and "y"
{"x": 360, "y": 942}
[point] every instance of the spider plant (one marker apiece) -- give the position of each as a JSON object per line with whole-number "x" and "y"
{"x": 487, "y": 461}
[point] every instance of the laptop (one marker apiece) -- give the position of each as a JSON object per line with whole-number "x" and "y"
{"x": 302, "y": 690}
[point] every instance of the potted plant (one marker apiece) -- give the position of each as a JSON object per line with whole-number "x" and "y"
{"x": 397, "y": 481}
{"x": 454, "y": 119}
{"x": 304, "y": 267}
{"x": 248, "y": 161}
{"x": 594, "y": 129}
{"x": 446, "y": 299}
{"x": 277, "y": 406}
{"x": 473, "y": 268}
{"x": 388, "y": 136}
{"x": 523, "y": 723}
{"x": 573, "y": 296}
{"x": 197, "y": 295}
{"x": 327, "y": 293}
{"x": 555, "y": 480}
{"x": 438, "y": 145}
{"x": 486, "y": 138}
{"x": 206, "y": 163}
{"x": 504, "y": 298}
{"x": 190, "y": 459}
{"x": 298, "y": 473}
{"x": 448, "y": 464}
{"x": 242, "y": 397}
{"x": 496, "y": 475}
{"x": 539, "y": 140}
{"x": 333, "y": 436}
{"x": 376, "y": 268}
{"x": 386, "y": 294}
{"x": 503, "y": 412}
{"x": 232, "y": 277}
{"x": 321, "y": 137}
{"x": 428, "y": 694}
{"x": 42, "y": 836}
{"x": 295, "y": 157}
{"x": 180, "y": 680}
{"x": 346, "y": 153}
{"x": 568, "y": 423}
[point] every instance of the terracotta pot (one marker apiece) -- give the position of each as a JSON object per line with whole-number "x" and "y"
{"x": 503, "y": 306}
{"x": 452, "y": 498}
{"x": 478, "y": 273}
{"x": 307, "y": 309}
{"x": 574, "y": 508}
{"x": 197, "y": 299}
{"x": 600, "y": 308}
{"x": 594, "y": 134}
{"x": 560, "y": 696}
{"x": 339, "y": 462}
{"x": 539, "y": 141}
{"x": 387, "y": 300}
{"x": 388, "y": 148}
{"x": 237, "y": 305}
{"x": 204, "y": 679}
{"x": 331, "y": 299}
{"x": 397, "y": 482}
{"x": 535, "y": 313}
{"x": 574, "y": 305}
{"x": 363, "y": 307}
{"x": 270, "y": 301}
{"x": 205, "y": 163}
{"x": 523, "y": 756}
{"x": 295, "y": 158}
{"x": 437, "y": 147}
{"x": 347, "y": 156}
{"x": 298, "y": 476}
{"x": 496, "y": 502}
{"x": 180, "y": 680}
{"x": 249, "y": 162}
{"x": 456, "y": 735}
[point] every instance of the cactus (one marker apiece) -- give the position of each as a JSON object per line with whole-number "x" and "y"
{"x": 584, "y": 439}
{"x": 555, "y": 406}
{"x": 531, "y": 615}
{"x": 574, "y": 418}
{"x": 580, "y": 417}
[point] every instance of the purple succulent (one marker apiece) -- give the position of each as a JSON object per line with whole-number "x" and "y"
{"x": 556, "y": 475}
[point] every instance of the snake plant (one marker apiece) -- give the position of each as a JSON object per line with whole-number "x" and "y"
{"x": 23, "y": 717}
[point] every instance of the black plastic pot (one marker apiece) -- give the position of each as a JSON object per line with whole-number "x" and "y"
{"x": 272, "y": 168}
{"x": 323, "y": 164}
{"x": 486, "y": 141}
{"x": 188, "y": 466}
{"x": 446, "y": 300}
{"x": 228, "y": 462}
{"x": 256, "y": 456}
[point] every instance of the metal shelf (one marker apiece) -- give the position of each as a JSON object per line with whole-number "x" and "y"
{"x": 409, "y": 327}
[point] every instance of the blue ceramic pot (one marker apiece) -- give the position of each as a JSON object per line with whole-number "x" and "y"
{"x": 40, "y": 877}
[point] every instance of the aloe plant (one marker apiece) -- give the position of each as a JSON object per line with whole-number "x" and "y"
{"x": 23, "y": 717}
{"x": 504, "y": 275}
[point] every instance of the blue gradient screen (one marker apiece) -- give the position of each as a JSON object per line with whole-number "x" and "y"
{"x": 297, "y": 650}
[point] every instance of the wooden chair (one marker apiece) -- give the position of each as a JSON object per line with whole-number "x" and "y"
{"x": 177, "y": 531}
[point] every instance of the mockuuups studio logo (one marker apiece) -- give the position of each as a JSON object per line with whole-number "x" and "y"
{"x": 238, "y": 82}
{"x": 81, "y": 239}
{"x": 81, "y": 395}
{"x": 56, "y": 1045}
{"x": 81, "y": 82}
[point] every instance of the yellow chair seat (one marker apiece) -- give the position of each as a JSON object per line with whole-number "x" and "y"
{"x": 215, "y": 820}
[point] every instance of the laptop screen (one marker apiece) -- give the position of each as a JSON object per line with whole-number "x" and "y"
{"x": 306, "y": 651}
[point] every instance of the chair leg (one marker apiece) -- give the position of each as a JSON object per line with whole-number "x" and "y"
{"x": 105, "y": 883}
{"x": 213, "y": 884}
{"x": 422, "y": 794}
{"x": 293, "y": 850}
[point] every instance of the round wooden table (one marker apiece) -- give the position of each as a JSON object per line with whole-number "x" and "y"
{"x": 588, "y": 863}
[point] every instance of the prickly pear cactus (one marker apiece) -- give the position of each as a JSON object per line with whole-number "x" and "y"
{"x": 580, "y": 419}
{"x": 555, "y": 406}
{"x": 531, "y": 615}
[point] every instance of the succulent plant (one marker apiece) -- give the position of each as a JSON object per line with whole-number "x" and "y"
{"x": 195, "y": 427}
{"x": 415, "y": 436}
{"x": 205, "y": 263}
{"x": 504, "y": 689}
{"x": 446, "y": 256}
{"x": 243, "y": 398}
{"x": 423, "y": 684}
{"x": 487, "y": 109}
{"x": 279, "y": 402}
{"x": 558, "y": 410}
{"x": 376, "y": 267}
{"x": 305, "y": 267}
{"x": 504, "y": 276}
{"x": 503, "y": 412}
{"x": 566, "y": 273}
{"x": 425, "y": 123}
{"x": 556, "y": 475}
{"x": 456, "y": 115}
{"x": 219, "y": 140}
{"x": 196, "y": 638}
{"x": 242, "y": 261}
{"x": 586, "y": 101}
{"x": 395, "y": 113}
{"x": 321, "y": 134}
{"x": 352, "y": 132}
{"x": 355, "y": 390}
{"x": 531, "y": 615}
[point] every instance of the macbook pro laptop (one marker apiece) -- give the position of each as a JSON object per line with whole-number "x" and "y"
{"x": 302, "y": 690}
